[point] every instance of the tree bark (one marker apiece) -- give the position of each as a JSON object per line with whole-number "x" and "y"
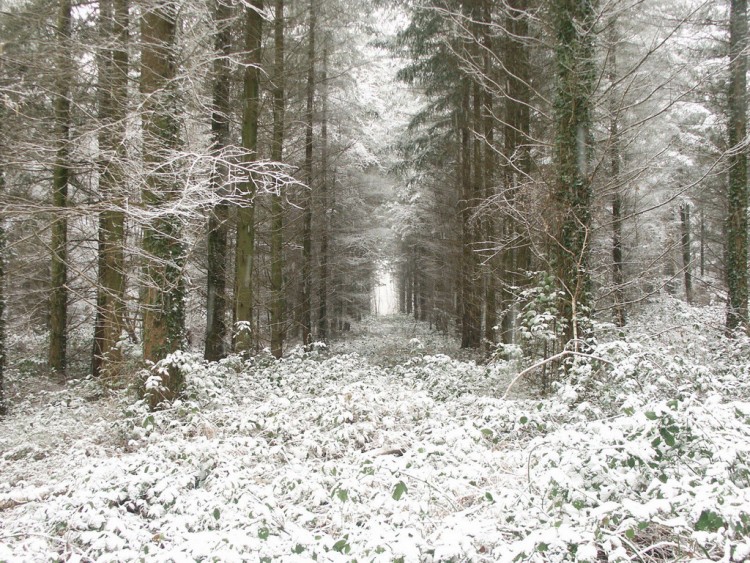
{"x": 736, "y": 271}
{"x": 60, "y": 179}
{"x": 323, "y": 189}
{"x": 306, "y": 297}
{"x": 245, "y": 249}
{"x": 277, "y": 209}
{"x": 517, "y": 256}
{"x": 164, "y": 294}
{"x": 615, "y": 156}
{"x": 488, "y": 125}
{"x": 113, "y": 94}
{"x": 686, "y": 258}
{"x": 471, "y": 314}
{"x": 574, "y": 20}
{"x": 218, "y": 218}
{"x": 3, "y": 333}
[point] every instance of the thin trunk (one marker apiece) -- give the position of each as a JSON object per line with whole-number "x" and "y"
{"x": 164, "y": 294}
{"x": 277, "y": 209}
{"x": 488, "y": 124}
{"x": 218, "y": 218}
{"x": 306, "y": 298}
{"x": 113, "y": 94}
{"x": 618, "y": 276}
{"x": 409, "y": 279}
{"x": 3, "y": 343}
{"x": 471, "y": 317}
{"x": 60, "y": 180}
{"x": 738, "y": 192}
{"x": 703, "y": 244}
{"x": 323, "y": 272}
{"x": 686, "y": 259}
{"x": 245, "y": 248}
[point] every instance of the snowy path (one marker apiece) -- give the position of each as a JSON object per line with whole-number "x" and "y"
{"x": 392, "y": 453}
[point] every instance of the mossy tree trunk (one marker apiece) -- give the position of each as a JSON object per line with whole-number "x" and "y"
{"x": 575, "y": 84}
{"x": 218, "y": 217}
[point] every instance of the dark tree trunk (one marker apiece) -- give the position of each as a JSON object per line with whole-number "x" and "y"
{"x": 306, "y": 297}
{"x": 218, "y": 217}
{"x": 164, "y": 294}
{"x": 3, "y": 334}
{"x": 517, "y": 257}
{"x": 60, "y": 178}
{"x": 471, "y": 318}
{"x": 113, "y": 102}
{"x": 244, "y": 295}
{"x": 277, "y": 208}
{"x": 738, "y": 193}
{"x": 323, "y": 272}
{"x": 618, "y": 275}
{"x": 686, "y": 257}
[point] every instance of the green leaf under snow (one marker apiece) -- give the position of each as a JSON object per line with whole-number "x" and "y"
{"x": 399, "y": 490}
{"x": 709, "y": 521}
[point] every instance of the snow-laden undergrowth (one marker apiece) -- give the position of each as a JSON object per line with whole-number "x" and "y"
{"x": 643, "y": 455}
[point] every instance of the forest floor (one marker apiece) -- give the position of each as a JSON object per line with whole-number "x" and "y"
{"x": 392, "y": 444}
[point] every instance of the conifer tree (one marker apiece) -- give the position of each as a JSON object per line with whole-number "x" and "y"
{"x": 163, "y": 306}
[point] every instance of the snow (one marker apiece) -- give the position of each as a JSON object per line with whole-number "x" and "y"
{"x": 378, "y": 449}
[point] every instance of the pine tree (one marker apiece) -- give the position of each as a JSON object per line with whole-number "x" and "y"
{"x": 60, "y": 179}
{"x": 736, "y": 250}
{"x": 164, "y": 294}
{"x": 112, "y": 89}
{"x": 218, "y": 217}
{"x": 245, "y": 248}
{"x": 277, "y": 210}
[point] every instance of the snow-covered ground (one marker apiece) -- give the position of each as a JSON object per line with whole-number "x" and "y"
{"x": 382, "y": 448}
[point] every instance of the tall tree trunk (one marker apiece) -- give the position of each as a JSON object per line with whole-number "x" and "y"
{"x": 245, "y": 249}
{"x": 615, "y": 156}
{"x": 60, "y": 179}
{"x": 164, "y": 294}
{"x": 471, "y": 317}
{"x": 517, "y": 256}
{"x": 574, "y": 20}
{"x": 3, "y": 333}
{"x": 738, "y": 193}
{"x": 306, "y": 298}
{"x": 686, "y": 258}
{"x": 218, "y": 218}
{"x": 113, "y": 96}
{"x": 277, "y": 209}
{"x": 488, "y": 125}
{"x": 323, "y": 272}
